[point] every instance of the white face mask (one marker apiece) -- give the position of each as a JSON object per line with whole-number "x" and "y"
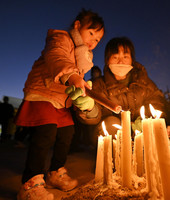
{"x": 120, "y": 69}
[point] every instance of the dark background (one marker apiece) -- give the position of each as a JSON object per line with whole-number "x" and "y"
{"x": 24, "y": 25}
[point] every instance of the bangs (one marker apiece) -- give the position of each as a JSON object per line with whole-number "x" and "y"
{"x": 95, "y": 25}
{"x": 113, "y": 47}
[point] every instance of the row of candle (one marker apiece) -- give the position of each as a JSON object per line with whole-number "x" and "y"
{"x": 104, "y": 158}
{"x": 157, "y": 154}
{"x": 154, "y": 140}
{"x": 104, "y": 163}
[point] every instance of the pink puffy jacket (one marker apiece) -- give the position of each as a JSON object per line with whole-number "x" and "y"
{"x": 56, "y": 60}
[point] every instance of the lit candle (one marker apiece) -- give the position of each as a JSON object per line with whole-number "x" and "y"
{"x": 126, "y": 150}
{"x": 99, "y": 172}
{"x": 107, "y": 156}
{"x": 151, "y": 160}
{"x": 147, "y": 132}
{"x": 163, "y": 151}
{"x": 138, "y": 153}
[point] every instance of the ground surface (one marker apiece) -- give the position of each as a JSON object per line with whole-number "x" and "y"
{"x": 79, "y": 164}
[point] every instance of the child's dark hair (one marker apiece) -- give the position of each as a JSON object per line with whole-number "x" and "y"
{"x": 113, "y": 45}
{"x": 91, "y": 18}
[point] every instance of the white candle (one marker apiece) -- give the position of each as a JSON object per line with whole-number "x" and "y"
{"x": 118, "y": 152}
{"x": 107, "y": 156}
{"x": 126, "y": 152}
{"x": 118, "y": 149}
{"x": 104, "y": 158}
{"x": 138, "y": 154}
{"x": 147, "y": 132}
{"x": 151, "y": 163}
{"x": 99, "y": 172}
{"x": 108, "y": 159}
{"x": 114, "y": 152}
{"x": 134, "y": 164}
{"x": 162, "y": 146}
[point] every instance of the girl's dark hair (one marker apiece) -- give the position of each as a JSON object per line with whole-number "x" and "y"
{"x": 113, "y": 45}
{"x": 88, "y": 17}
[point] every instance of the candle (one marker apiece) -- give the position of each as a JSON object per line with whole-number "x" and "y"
{"x": 151, "y": 160}
{"x": 118, "y": 153}
{"x": 103, "y": 101}
{"x": 163, "y": 151}
{"x": 126, "y": 151}
{"x": 147, "y": 132}
{"x": 134, "y": 163}
{"x": 138, "y": 153}
{"x": 107, "y": 156}
{"x": 104, "y": 158}
{"x": 118, "y": 149}
{"x": 114, "y": 151}
{"x": 99, "y": 172}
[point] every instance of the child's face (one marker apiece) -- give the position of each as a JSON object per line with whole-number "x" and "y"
{"x": 90, "y": 37}
{"x": 122, "y": 57}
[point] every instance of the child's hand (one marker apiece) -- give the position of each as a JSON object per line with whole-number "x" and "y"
{"x": 82, "y": 102}
{"x": 78, "y": 82}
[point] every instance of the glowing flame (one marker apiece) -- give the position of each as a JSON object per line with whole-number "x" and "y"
{"x": 100, "y": 137}
{"x": 116, "y": 137}
{"x": 104, "y": 129}
{"x": 155, "y": 113}
{"x": 142, "y": 112}
{"x": 117, "y": 126}
{"x": 137, "y": 132}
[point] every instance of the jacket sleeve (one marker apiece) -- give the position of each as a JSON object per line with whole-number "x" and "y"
{"x": 150, "y": 92}
{"x": 92, "y": 117}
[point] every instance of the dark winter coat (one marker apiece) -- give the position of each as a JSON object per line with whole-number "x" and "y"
{"x": 136, "y": 91}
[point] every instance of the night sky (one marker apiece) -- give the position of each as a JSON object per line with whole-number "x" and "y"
{"x": 24, "y": 25}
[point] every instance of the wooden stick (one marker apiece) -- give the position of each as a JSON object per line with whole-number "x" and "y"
{"x": 103, "y": 101}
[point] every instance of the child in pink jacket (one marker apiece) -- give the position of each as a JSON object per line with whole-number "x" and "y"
{"x": 67, "y": 56}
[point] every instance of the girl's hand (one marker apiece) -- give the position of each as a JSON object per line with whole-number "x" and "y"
{"x": 78, "y": 82}
{"x": 82, "y": 102}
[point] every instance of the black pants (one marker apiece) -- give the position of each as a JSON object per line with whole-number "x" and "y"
{"x": 43, "y": 139}
{"x": 21, "y": 133}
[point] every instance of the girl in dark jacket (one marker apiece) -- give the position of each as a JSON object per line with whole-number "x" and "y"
{"x": 126, "y": 83}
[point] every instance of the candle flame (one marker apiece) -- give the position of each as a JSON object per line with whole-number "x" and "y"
{"x": 137, "y": 132}
{"x": 117, "y": 126}
{"x": 142, "y": 112}
{"x": 104, "y": 129}
{"x": 100, "y": 137}
{"x": 155, "y": 113}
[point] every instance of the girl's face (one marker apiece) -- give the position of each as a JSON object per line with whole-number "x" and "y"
{"x": 90, "y": 37}
{"x": 122, "y": 57}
